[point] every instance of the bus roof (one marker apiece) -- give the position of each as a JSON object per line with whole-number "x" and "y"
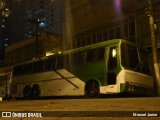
{"x": 71, "y": 51}
{"x": 92, "y": 46}
{"x": 6, "y": 70}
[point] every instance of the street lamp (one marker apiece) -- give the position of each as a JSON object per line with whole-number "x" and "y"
{"x": 2, "y": 4}
{"x": 4, "y": 10}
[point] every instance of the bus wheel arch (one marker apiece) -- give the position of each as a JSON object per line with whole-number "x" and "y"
{"x": 92, "y": 88}
{"x": 35, "y": 91}
{"x": 27, "y": 92}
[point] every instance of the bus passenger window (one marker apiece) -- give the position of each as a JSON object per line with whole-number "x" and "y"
{"x": 73, "y": 59}
{"x": 59, "y": 63}
{"x": 100, "y": 53}
{"x": 27, "y": 68}
{"x": 17, "y": 70}
{"x": 80, "y": 58}
{"x": 50, "y": 64}
{"x": 38, "y": 66}
{"x": 66, "y": 61}
{"x": 90, "y": 56}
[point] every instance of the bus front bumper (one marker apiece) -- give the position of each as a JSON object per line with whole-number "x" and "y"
{"x": 135, "y": 89}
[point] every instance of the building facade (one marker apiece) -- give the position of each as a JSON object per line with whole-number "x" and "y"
{"x": 94, "y": 22}
{"x": 25, "y": 14}
{"x": 27, "y": 18}
{"x": 47, "y": 14}
{"x": 31, "y": 48}
{"x": 84, "y": 22}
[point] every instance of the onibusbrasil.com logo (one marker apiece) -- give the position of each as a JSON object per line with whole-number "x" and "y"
{"x": 21, "y": 114}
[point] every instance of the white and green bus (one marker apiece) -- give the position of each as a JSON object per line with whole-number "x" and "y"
{"x": 109, "y": 67}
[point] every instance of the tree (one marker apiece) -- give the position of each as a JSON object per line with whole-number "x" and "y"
{"x": 154, "y": 46}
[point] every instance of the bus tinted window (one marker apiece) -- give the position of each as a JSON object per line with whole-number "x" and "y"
{"x": 95, "y": 55}
{"x": 90, "y": 56}
{"x": 17, "y": 70}
{"x": 26, "y": 68}
{"x": 78, "y": 58}
{"x": 49, "y": 65}
{"x": 66, "y": 61}
{"x": 59, "y": 63}
{"x": 100, "y": 53}
{"x": 38, "y": 66}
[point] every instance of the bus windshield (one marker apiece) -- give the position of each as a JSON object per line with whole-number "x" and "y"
{"x": 129, "y": 56}
{"x": 134, "y": 58}
{"x": 145, "y": 66}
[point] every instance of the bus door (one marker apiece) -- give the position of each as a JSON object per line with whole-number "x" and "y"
{"x": 111, "y": 64}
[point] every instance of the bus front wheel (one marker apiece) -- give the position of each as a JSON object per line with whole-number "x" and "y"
{"x": 92, "y": 90}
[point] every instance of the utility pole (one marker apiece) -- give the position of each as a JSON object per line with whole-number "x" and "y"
{"x": 154, "y": 46}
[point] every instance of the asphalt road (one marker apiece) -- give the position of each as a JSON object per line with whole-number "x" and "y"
{"x": 86, "y": 109}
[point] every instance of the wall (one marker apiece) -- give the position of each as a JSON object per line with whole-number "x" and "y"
{"x": 32, "y": 48}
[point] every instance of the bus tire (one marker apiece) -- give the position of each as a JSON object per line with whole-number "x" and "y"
{"x": 35, "y": 92}
{"x": 27, "y": 93}
{"x": 92, "y": 89}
